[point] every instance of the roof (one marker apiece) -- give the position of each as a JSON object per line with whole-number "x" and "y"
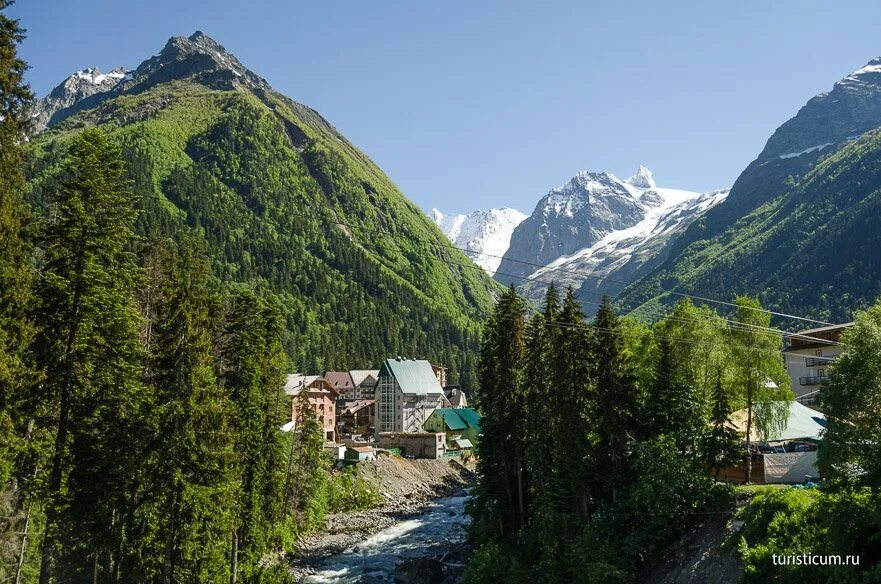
{"x": 357, "y": 406}
{"x": 361, "y": 448}
{"x": 456, "y": 396}
{"x": 295, "y": 382}
{"x": 824, "y": 329}
{"x": 459, "y": 418}
{"x": 359, "y": 375}
{"x": 413, "y": 376}
{"x": 339, "y": 380}
{"x": 802, "y": 423}
{"x": 463, "y": 443}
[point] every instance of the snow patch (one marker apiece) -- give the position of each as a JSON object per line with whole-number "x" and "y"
{"x": 805, "y": 151}
{"x": 485, "y": 234}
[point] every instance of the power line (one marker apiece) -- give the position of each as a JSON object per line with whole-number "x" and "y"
{"x": 733, "y": 324}
{"x": 596, "y": 277}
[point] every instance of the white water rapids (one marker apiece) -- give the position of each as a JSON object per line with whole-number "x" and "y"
{"x": 442, "y": 524}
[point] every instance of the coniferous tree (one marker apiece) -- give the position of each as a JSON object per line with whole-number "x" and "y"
{"x": 251, "y": 368}
{"x": 672, "y": 408}
{"x": 306, "y": 467}
{"x": 88, "y": 345}
{"x": 571, "y": 402}
{"x": 502, "y": 491}
{"x": 187, "y": 516}
{"x": 721, "y": 445}
{"x": 16, "y": 329}
{"x": 538, "y": 387}
{"x": 615, "y": 405}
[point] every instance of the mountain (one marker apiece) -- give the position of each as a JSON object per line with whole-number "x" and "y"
{"x": 286, "y": 204}
{"x": 599, "y": 225}
{"x": 800, "y": 227}
{"x": 487, "y": 234}
{"x": 73, "y": 91}
{"x": 625, "y": 255}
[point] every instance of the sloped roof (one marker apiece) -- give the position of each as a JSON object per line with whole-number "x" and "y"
{"x": 339, "y": 380}
{"x": 456, "y": 396}
{"x": 459, "y": 418}
{"x": 296, "y": 382}
{"x": 357, "y": 406}
{"x": 802, "y": 423}
{"x": 359, "y": 375}
{"x": 414, "y": 376}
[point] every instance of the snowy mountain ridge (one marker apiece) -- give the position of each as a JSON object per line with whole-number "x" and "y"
{"x": 486, "y": 234}
{"x": 596, "y": 224}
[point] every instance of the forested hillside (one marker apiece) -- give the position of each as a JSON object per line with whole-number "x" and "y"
{"x": 285, "y": 203}
{"x": 800, "y": 226}
{"x": 811, "y": 250}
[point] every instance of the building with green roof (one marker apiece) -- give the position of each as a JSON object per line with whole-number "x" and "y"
{"x": 407, "y": 392}
{"x": 461, "y": 425}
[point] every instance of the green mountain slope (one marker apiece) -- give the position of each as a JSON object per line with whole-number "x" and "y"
{"x": 287, "y": 203}
{"x": 800, "y": 226}
{"x": 813, "y": 250}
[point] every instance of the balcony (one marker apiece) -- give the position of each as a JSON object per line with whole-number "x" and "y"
{"x": 814, "y": 380}
{"x": 818, "y": 361}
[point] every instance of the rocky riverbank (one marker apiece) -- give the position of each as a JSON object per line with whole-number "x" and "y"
{"x": 408, "y": 487}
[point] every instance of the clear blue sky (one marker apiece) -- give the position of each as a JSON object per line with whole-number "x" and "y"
{"x": 470, "y": 104}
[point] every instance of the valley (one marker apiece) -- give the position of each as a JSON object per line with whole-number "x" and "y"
{"x": 234, "y": 351}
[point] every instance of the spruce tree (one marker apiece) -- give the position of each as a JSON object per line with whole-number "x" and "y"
{"x": 307, "y": 468}
{"x": 251, "y": 369}
{"x": 615, "y": 406}
{"x": 88, "y": 345}
{"x": 501, "y": 467}
{"x": 721, "y": 445}
{"x": 187, "y": 518}
{"x": 571, "y": 401}
{"x": 16, "y": 275}
{"x": 672, "y": 408}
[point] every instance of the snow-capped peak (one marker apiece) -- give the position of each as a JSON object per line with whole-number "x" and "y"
{"x": 486, "y": 234}
{"x": 94, "y": 76}
{"x": 643, "y": 179}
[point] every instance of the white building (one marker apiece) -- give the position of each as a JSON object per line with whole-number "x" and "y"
{"x": 407, "y": 392}
{"x": 809, "y": 358}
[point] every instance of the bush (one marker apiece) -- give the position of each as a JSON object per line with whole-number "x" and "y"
{"x": 348, "y": 491}
{"x": 792, "y": 522}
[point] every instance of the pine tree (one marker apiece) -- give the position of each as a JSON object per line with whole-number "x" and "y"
{"x": 721, "y": 445}
{"x": 89, "y": 346}
{"x": 306, "y": 467}
{"x": 672, "y": 407}
{"x": 251, "y": 368}
{"x": 502, "y": 462}
{"x": 189, "y": 465}
{"x": 16, "y": 329}
{"x": 615, "y": 405}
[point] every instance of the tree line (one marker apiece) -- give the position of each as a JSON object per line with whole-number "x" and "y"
{"x": 140, "y": 398}
{"x": 602, "y": 438}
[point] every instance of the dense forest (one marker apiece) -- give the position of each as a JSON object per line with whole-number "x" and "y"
{"x": 140, "y": 391}
{"x": 287, "y": 205}
{"x": 809, "y": 248}
{"x": 602, "y": 440}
